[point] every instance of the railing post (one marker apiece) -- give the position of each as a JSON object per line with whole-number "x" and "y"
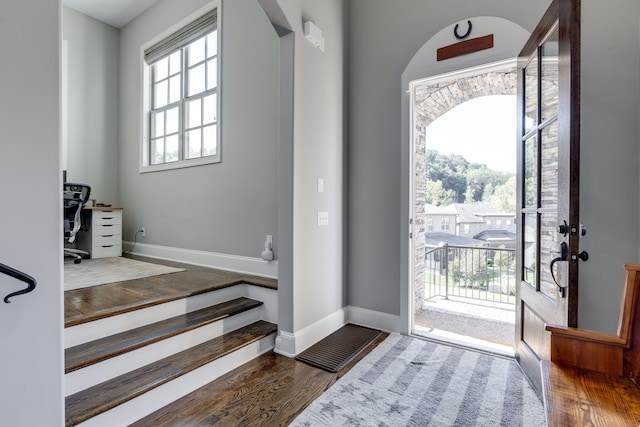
{"x": 445, "y": 258}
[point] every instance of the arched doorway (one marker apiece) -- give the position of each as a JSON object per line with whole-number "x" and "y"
{"x": 459, "y": 80}
{"x": 464, "y": 206}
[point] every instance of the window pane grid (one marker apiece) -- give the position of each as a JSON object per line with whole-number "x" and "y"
{"x": 200, "y": 125}
{"x": 202, "y": 65}
{"x": 183, "y": 116}
{"x": 167, "y": 81}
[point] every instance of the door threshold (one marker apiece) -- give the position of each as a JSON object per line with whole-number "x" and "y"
{"x": 463, "y": 341}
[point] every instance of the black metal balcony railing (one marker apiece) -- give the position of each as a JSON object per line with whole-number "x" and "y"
{"x": 480, "y": 273}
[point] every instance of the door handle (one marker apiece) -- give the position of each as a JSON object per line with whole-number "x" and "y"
{"x": 12, "y": 272}
{"x": 563, "y": 250}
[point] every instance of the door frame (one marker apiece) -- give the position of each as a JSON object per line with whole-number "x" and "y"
{"x": 423, "y": 64}
{"x": 485, "y": 68}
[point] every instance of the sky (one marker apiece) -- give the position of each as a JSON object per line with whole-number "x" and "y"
{"x": 483, "y": 130}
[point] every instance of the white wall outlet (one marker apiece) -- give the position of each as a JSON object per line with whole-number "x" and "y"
{"x": 143, "y": 231}
{"x": 320, "y": 185}
{"x": 323, "y": 218}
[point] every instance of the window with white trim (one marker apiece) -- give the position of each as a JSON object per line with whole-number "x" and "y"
{"x": 182, "y": 97}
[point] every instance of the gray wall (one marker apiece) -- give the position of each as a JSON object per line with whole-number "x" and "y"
{"x": 92, "y": 104}
{"x": 319, "y": 144}
{"x": 378, "y": 56}
{"x": 228, "y": 207}
{"x": 609, "y": 156}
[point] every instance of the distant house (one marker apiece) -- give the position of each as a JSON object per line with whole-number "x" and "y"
{"x": 435, "y": 239}
{"x": 472, "y": 219}
{"x": 498, "y": 238}
{"x": 438, "y": 219}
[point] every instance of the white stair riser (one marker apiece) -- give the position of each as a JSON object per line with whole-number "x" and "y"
{"x": 95, "y": 374}
{"x": 268, "y": 296}
{"x": 161, "y": 396}
{"x": 101, "y": 328}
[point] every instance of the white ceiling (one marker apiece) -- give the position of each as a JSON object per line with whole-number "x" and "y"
{"x": 114, "y": 12}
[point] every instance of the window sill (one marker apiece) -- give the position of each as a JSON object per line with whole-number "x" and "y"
{"x": 181, "y": 164}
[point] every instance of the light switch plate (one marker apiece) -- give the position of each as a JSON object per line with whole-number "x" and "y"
{"x": 323, "y": 218}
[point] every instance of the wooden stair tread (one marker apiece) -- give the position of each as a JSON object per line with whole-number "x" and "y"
{"x": 92, "y": 352}
{"x": 575, "y": 396}
{"x": 98, "y": 302}
{"x": 109, "y": 394}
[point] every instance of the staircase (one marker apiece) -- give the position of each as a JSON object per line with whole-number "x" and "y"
{"x": 121, "y": 368}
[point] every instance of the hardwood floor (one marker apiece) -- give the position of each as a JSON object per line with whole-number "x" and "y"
{"x": 96, "y": 302}
{"x": 268, "y": 391}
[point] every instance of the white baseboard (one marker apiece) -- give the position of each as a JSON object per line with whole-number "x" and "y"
{"x": 374, "y": 319}
{"x": 240, "y": 264}
{"x": 285, "y": 344}
{"x": 290, "y": 344}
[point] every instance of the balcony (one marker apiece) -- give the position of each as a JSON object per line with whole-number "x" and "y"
{"x": 469, "y": 296}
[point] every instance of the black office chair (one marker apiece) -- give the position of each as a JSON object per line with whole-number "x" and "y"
{"x": 75, "y": 196}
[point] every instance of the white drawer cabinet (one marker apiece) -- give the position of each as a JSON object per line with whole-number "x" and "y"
{"x": 104, "y": 238}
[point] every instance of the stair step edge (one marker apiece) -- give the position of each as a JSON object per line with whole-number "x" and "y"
{"x": 100, "y": 398}
{"x": 99, "y": 350}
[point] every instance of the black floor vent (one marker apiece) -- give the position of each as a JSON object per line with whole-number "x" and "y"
{"x": 336, "y": 350}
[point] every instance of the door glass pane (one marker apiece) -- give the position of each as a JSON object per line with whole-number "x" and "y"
{"x": 531, "y": 172}
{"x": 549, "y": 78}
{"x": 548, "y": 250}
{"x": 530, "y": 222}
{"x": 549, "y": 158}
{"x": 531, "y": 95}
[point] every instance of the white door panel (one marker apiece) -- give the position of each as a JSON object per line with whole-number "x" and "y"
{"x": 31, "y": 351}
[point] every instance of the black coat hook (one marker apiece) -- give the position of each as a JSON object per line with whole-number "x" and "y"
{"x": 465, "y": 35}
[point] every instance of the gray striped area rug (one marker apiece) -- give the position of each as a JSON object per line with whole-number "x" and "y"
{"x": 407, "y": 381}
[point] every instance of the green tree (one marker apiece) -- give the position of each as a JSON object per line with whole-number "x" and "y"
{"x": 435, "y": 194}
{"x": 450, "y": 178}
{"x": 450, "y": 170}
{"x": 503, "y": 197}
